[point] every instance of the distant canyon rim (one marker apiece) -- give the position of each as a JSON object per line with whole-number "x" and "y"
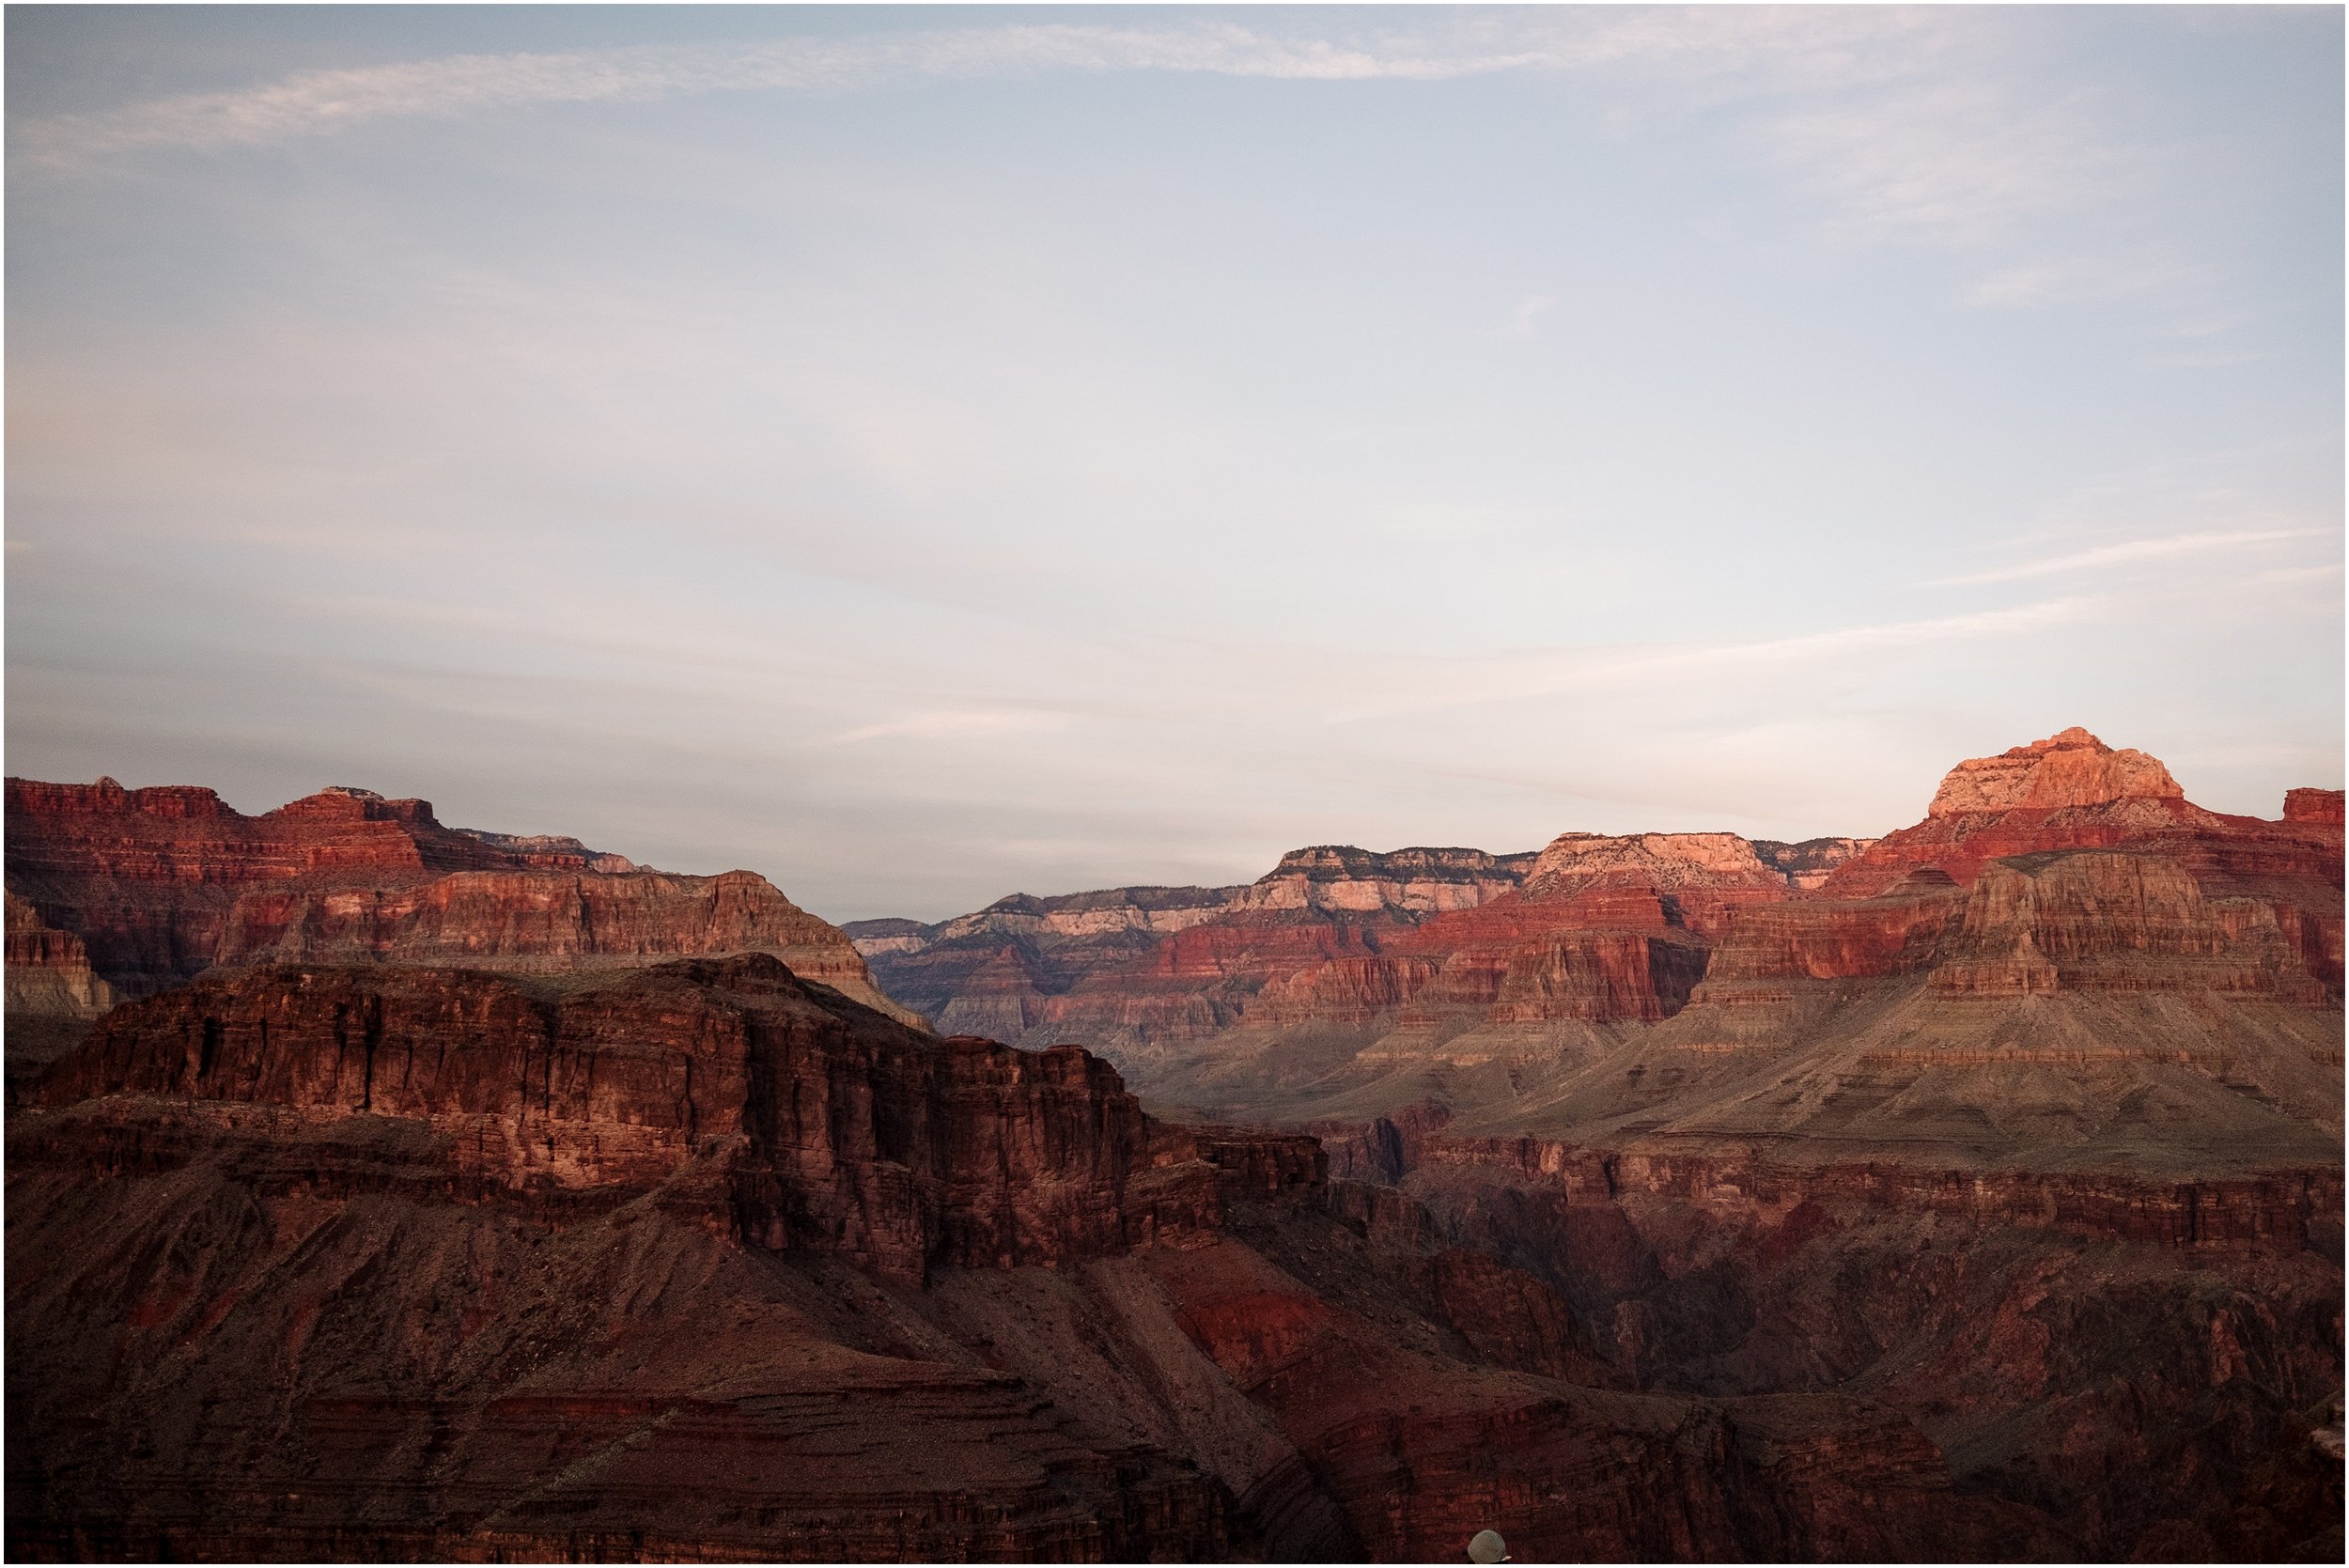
{"x": 385, "y": 1190}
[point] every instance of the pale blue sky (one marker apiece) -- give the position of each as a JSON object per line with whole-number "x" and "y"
{"x": 925, "y": 454}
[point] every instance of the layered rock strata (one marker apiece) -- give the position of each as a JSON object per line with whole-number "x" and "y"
{"x": 2314, "y": 805}
{"x": 2058, "y": 869}
{"x": 1434, "y": 941}
{"x": 825, "y": 1127}
{"x": 2153, "y": 1363}
{"x": 49, "y": 971}
{"x": 2067, "y": 769}
{"x": 1811, "y": 862}
{"x": 2070, "y": 791}
{"x": 1004, "y": 969}
{"x": 159, "y": 885}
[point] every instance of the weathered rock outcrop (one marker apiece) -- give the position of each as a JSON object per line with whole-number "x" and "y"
{"x": 2072, "y": 791}
{"x": 48, "y": 969}
{"x": 2068, "y": 768}
{"x": 2314, "y": 805}
{"x": 2110, "y": 858}
{"x": 1811, "y": 862}
{"x": 160, "y": 885}
{"x": 1900, "y": 931}
{"x": 1410, "y": 882}
{"x": 2109, "y": 921}
{"x": 2148, "y": 1361}
{"x": 1707, "y": 875}
{"x": 990, "y": 972}
{"x": 826, "y": 1126}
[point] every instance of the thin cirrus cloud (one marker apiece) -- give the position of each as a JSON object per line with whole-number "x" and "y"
{"x": 1526, "y": 319}
{"x": 1454, "y": 683}
{"x": 322, "y": 102}
{"x": 2131, "y": 550}
{"x": 2066, "y": 280}
{"x": 1953, "y": 162}
{"x": 1899, "y": 123}
{"x": 952, "y": 722}
{"x": 1718, "y": 52}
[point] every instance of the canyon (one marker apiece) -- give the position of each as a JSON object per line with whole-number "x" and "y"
{"x": 2060, "y": 898}
{"x": 1972, "y": 1193}
{"x": 1148, "y": 973}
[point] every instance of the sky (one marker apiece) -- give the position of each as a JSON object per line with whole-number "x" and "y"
{"x": 925, "y": 453}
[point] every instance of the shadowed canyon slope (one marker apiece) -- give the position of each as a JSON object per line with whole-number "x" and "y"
{"x": 1970, "y": 1194}
{"x": 700, "y": 1261}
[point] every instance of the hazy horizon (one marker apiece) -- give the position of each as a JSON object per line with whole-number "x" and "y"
{"x": 926, "y": 455}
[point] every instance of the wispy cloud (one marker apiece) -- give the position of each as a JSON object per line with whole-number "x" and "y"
{"x": 320, "y": 101}
{"x": 1906, "y": 123}
{"x": 1456, "y": 523}
{"x": 2066, "y": 280}
{"x": 2291, "y": 576}
{"x": 1522, "y": 321}
{"x": 1958, "y": 162}
{"x": 2131, "y": 550}
{"x": 2209, "y": 360}
{"x": 1516, "y": 677}
{"x": 1718, "y": 51}
{"x": 946, "y": 723}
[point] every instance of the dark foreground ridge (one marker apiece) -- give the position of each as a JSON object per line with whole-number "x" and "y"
{"x": 702, "y": 1261}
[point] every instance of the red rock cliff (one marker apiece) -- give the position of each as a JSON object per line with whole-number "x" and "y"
{"x": 2314, "y": 805}
{"x": 2070, "y": 791}
{"x": 830, "y": 1127}
{"x": 162, "y": 884}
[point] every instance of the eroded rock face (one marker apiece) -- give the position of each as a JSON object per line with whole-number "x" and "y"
{"x": 2321, "y": 806}
{"x": 1258, "y": 1003}
{"x": 1433, "y": 941}
{"x": 2068, "y": 768}
{"x": 2079, "y": 1342}
{"x": 2071, "y": 791}
{"x": 1575, "y": 861}
{"x": 160, "y": 885}
{"x": 1809, "y": 863}
{"x": 990, "y": 972}
{"x": 1157, "y": 964}
{"x": 1413, "y": 881}
{"x": 826, "y": 1127}
{"x": 1901, "y": 931}
{"x": 699, "y": 1261}
{"x": 49, "y": 970}
{"x": 2102, "y": 921}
